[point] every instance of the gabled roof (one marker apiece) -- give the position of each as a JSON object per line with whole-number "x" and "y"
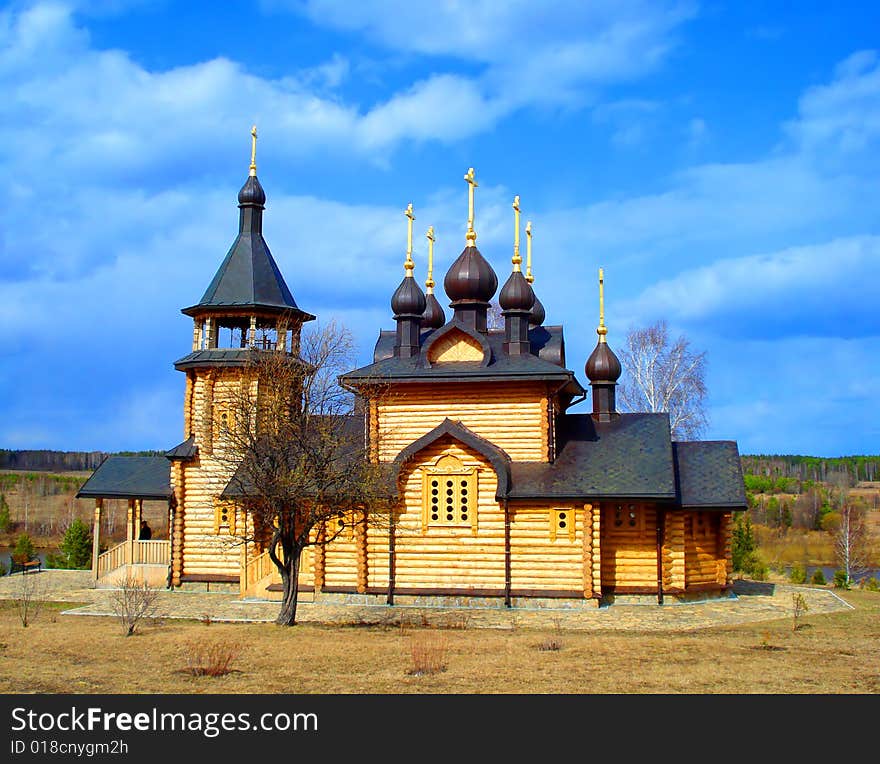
{"x": 499, "y": 460}
{"x": 709, "y": 474}
{"x": 184, "y": 451}
{"x": 129, "y": 477}
{"x": 500, "y": 366}
{"x": 628, "y": 457}
{"x": 249, "y": 277}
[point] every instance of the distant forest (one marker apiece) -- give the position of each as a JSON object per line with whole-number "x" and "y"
{"x": 60, "y": 461}
{"x": 801, "y": 468}
{"x": 813, "y": 468}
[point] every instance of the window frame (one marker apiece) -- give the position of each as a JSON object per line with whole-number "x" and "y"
{"x": 447, "y": 467}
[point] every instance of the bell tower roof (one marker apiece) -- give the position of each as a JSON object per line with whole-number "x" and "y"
{"x": 249, "y": 277}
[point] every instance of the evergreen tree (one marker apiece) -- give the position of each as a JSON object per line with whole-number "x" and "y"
{"x": 76, "y": 548}
{"x": 24, "y": 548}
{"x": 742, "y": 545}
{"x": 5, "y": 521}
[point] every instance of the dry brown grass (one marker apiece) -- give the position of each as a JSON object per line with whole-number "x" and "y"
{"x": 427, "y": 652}
{"x": 213, "y": 657}
{"x": 831, "y": 653}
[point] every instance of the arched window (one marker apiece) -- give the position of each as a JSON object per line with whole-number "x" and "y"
{"x": 449, "y": 494}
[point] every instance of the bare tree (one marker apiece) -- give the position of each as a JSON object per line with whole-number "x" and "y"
{"x": 661, "y": 375}
{"x": 29, "y": 597}
{"x": 852, "y": 543}
{"x": 302, "y": 473}
{"x": 132, "y": 602}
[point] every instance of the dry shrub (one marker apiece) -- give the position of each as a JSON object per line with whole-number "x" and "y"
{"x": 799, "y": 607}
{"x": 210, "y": 658}
{"x": 134, "y": 601}
{"x": 550, "y": 644}
{"x": 29, "y": 597}
{"x": 427, "y": 653}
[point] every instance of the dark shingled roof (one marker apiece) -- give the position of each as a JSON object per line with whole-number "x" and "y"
{"x": 547, "y": 343}
{"x": 709, "y": 474}
{"x": 184, "y": 451}
{"x": 500, "y": 365}
{"x": 129, "y": 477}
{"x": 630, "y": 456}
{"x": 352, "y": 445}
{"x": 248, "y": 277}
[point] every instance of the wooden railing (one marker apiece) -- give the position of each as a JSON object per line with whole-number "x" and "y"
{"x": 134, "y": 553}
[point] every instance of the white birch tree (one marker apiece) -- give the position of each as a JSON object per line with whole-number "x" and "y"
{"x": 661, "y": 375}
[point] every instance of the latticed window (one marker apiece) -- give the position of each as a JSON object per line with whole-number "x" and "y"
{"x": 623, "y": 518}
{"x": 450, "y": 494}
{"x": 562, "y": 524}
{"x": 224, "y": 517}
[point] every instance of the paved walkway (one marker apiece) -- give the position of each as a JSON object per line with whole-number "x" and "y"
{"x": 751, "y": 602}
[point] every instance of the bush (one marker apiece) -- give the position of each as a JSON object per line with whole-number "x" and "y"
{"x": 754, "y": 567}
{"x": 76, "y": 548}
{"x": 841, "y": 580}
{"x": 798, "y": 574}
{"x": 24, "y": 548}
{"x": 743, "y": 542}
{"x": 870, "y": 584}
{"x": 211, "y": 658}
{"x": 818, "y": 577}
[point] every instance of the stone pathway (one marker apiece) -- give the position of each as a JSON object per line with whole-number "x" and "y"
{"x": 751, "y": 602}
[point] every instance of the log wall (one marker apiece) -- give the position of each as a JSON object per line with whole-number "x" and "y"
{"x": 540, "y": 562}
{"x": 204, "y": 551}
{"x": 629, "y": 555}
{"x": 673, "y": 552}
{"x": 701, "y": 541}
{"x": 512, "y": 415}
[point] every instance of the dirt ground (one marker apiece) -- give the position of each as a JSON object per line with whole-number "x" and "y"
{"x": 829, "y": 653}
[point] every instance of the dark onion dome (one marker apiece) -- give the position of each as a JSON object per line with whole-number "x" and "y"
{"x": 433, "y": 317}
{"x": 408, "y": 299}
{"x": 470, "y": 278}
{"x": 516, "y": 294}
{"x": 537, "y": 314}
{"x": 252, "y": 192}
{"x": 602, "y": 365}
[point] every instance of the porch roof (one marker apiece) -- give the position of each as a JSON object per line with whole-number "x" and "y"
{"x": 129, "y": 477}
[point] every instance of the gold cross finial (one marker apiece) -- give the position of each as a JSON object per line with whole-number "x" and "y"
{"x": 429, "y": 282}
{"x": 253, "y": 151}
{"x": 409, "y": 264}
{"x": 471, "y": 235}
{"x": 516, "y": 258}
{"x": 529, "y": 277}
{"x": 602, "y": 330}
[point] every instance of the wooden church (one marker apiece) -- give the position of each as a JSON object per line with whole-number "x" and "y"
{"x": 502, "y": 495}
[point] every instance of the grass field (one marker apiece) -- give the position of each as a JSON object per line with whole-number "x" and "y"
{"x": 831, "y": 653}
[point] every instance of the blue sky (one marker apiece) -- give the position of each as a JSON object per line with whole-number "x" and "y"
{"x": 720, "y": 160}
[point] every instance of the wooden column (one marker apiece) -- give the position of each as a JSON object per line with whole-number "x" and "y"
{"x": 673, "y": 551}
{"x": 588, "y": 550}
{"x": 661, "y": 518}
{"x": 360, "y": 535}
{"x": 320, "y": 558}
{"x": 96, "y": 536}
{"x": 176, "y": 532}
{"x": 724, "y": 564}
{"x": 597, "y": 551}
{"x": 129, "y": 533}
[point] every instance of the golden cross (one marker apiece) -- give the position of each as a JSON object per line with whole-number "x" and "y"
{"x": 529, "y": 277}
{"x": 602, "y": 330}
{"x": 429, "y": 282}
{"x": 409, "y": 264}
{"x": 516, "y": 258}
{"x": 471, "y": 235}
{"x": 253, "y": 150}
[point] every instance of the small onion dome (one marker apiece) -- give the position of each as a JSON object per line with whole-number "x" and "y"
{"x": 470, "y": 278}
{"x": 252, "y": 192}
{"x": 408, "y": 299}
{"x": 537, "y": 314}
{"x": 516, "y": 294}
{"x": 602, "y": 365}
{"x": 433, "y": 317}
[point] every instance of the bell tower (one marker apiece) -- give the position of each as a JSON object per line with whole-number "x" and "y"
{"x": 247, "y": 310}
